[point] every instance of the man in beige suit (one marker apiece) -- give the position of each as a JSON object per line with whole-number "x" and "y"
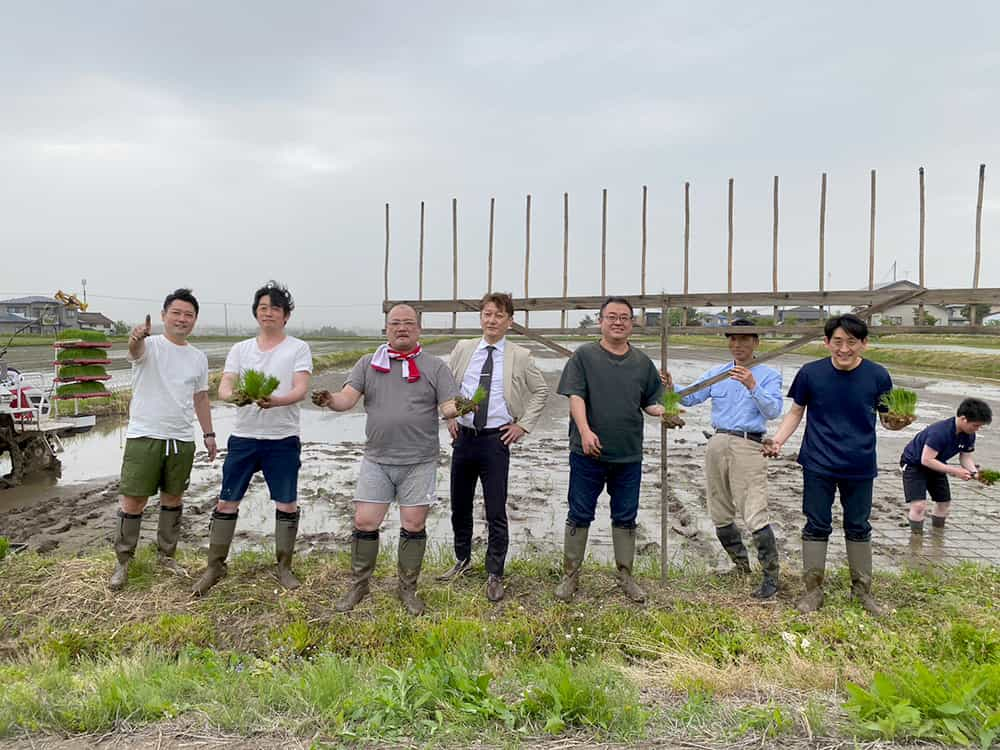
{"x": 515, "y": 396}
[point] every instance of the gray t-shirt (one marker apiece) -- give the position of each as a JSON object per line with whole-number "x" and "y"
{"x": 403, "y": 422}
{"x": 615, "y": 388}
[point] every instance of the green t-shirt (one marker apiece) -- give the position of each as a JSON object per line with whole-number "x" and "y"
{"x": 615, "y": 388}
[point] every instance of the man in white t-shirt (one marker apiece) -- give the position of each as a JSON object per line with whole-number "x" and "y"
{"x": 169, "y": 388}
{"x": 265, "y": 437}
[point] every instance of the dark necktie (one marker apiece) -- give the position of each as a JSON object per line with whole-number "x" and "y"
{"x": 485, "y": 379}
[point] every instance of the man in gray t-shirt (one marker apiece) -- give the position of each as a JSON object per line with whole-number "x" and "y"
{"x": 404, "y": 389}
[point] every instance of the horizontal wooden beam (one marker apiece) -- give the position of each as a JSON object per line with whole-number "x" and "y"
{"x": 848, "y": 298}
{"x": 796, "y": 330}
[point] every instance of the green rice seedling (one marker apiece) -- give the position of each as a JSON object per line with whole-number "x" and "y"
{"x": 252, "y": 386}
{"x": 901, "y": 406}
{"x": 80, "y": 389}
{"x": 67, "y": 372}
{"x": 4, "y": 547}
{"x": 988, "y": 476}
{"x": 78, "y": 334}
{"x": 69, "y": 355}
{"x": 465, "y": 405}
{"x": 672, "y": 409}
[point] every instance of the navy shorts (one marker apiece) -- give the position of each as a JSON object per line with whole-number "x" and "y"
{"x": 278, "y": 459}
{"x": 919, "y": 480}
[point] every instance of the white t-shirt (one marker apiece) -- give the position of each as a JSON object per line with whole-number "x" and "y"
{"x": 164, "y": 381}
{"x": 289, "y": 357}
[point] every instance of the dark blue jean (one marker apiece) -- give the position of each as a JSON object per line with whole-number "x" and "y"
{"x": 818, "y": 492}
{"x": 279, "y": 460}
{"x": 588, "y": 477}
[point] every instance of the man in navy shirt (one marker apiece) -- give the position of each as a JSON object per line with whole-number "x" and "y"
{"x": 925, "y": 461}
{"x": 735, "y": 469}
{"x": 841, "y": 394}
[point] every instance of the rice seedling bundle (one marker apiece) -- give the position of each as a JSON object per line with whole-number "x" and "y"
{"x": 79, "y": 334}
{"x": 988, "y": 477}
{"x": 901, "y": 408}
{"x": 75, "y": 390}
{"x": 465, "y": 405}
{"x": 672, "y": 409}
{"x": 252, "y": 386}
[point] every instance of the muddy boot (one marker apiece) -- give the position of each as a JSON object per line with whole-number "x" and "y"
{"x": 574, "y": 550}
{"x": 168, "y": 531}
{"x": 220, "y": 536}
{"x": 917, "y": 527}
{"x": 129, "y": 525}
{"x": 813, "y": 571}
{"x": 859, "y": 558}
{"x": 767, "y": 554}
{"x": 732, "y": 543}
{"x": 286, "y": 527}
{"x": 937, "y": 522}
{"x": 623, "y": 540}
{"x": 364, "y": 554}
{"x": 410, "y": 559}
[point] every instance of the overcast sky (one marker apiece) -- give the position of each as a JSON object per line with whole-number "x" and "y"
{"x": 147, "y": 145}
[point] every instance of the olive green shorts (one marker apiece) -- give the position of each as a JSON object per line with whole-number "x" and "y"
{"x": 150, "y": 464}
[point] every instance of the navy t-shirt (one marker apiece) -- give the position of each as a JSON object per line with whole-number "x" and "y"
{"x": 840, "y": 417}
{"x": 943, "y": 437}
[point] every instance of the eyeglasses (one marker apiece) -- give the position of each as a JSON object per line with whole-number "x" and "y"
{"x": 612, "y": 318}
{"x": 402, "y": 324}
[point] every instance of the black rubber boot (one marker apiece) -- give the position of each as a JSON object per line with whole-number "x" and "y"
{"x": 623, "y": 540}
{"x": 732, "y": 543}
{"x": 286, "y": 528}
{"x": 916, "y": 527}
{"x": 129, "y": 526}
{"x": 574, "y": 550}
{"x": 364, "y": 554}
{"x": 859, "y": 558}
{"x": 220, "y": 537}
{"x": 937, "y": 522}
{"x": 412, "y": 545}
{"x": 767, "y": 554}
{"x": 168, "y": 531}
{"x": 813, "y": 572}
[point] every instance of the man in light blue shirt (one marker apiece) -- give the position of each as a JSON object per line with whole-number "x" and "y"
{"x": 735, "y": 467}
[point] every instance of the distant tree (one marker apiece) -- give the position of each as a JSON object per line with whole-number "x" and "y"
{"x": 748, "y": 314}
{"x": 928, "y": 319}
{"x": 981, "y": 311}
{"x": 121, "y": 328}
{"x": 586, "y": 322}
{"x": 764, "y": 320}
{"x": 677, "y": 317}
{"x": 789, "y": 320}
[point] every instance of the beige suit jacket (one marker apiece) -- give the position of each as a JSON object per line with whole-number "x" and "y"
{"x": 524, "y": 387}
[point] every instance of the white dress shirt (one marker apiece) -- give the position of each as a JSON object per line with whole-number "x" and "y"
{"x": 498, "y": 415}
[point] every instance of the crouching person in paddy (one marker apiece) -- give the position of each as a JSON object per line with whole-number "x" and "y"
{"x": 405, "y": 388}
{"x": 265, "y": 436}
{"x": 925, "y": 461}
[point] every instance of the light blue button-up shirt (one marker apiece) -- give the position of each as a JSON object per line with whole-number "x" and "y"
{"x": 736, "y": 408}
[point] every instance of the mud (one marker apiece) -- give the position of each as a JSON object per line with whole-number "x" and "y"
{"x": 77, "y": 511}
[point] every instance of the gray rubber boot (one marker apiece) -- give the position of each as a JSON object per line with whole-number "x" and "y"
{"x": 220, "y": 537}
{"x": 286, "y": 528}
{"x": 767, "y": 554}
{"x": 129, "y": 526}
{"x": 623, "y": 540}
{"x": 859, "y": 558}
{"x": 916, "y": 527}
{"x": 813, "y": 572}
{"x": 412, "y": 545}
{"x": 364, "y": 554}
{"x": 732, "y": 543}
{"x": 574, "y": 550}
{"x": 168, "y": 531}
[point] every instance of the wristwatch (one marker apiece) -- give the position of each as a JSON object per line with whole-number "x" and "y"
{"x": 208, "y": 435}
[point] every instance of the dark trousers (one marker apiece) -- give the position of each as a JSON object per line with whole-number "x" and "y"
{"x": 818, "y": 491}
{"x": 480, "y": 457}
{"x": 588, "y": 477}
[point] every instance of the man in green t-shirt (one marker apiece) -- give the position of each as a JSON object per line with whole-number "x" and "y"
{"x": 609, "y": 385}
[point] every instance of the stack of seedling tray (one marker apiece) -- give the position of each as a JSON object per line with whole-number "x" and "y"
{"x": 80, "y": 362}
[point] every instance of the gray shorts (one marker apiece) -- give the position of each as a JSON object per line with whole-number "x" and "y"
{"x": 407, "y": 484}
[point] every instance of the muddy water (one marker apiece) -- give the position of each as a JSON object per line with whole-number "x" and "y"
{"x": 78, "y": 510}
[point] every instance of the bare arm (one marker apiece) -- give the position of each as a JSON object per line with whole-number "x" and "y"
{"x": 788, "y": 427}
{"x": 203, "y": 410}
{"x": 928, "y": 458}
{"x": 137, "y": 340}
{"x": 343, "y": 400}
{"x": 578, "y": 413}
{"x": 300, "y": 386}
{"x": 448, "y": 409}
{"x": 654, "y": 410}
{"x": 969, "y": 462}
{"x": 226, "y": 386}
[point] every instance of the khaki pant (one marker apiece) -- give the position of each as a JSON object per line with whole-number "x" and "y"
{"x": 736, "y": 481}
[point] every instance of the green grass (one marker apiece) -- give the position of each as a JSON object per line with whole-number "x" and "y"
{"x": 698, "y": 661}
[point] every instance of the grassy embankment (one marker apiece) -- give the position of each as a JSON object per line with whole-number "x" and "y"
{"x": 699, "y": 662}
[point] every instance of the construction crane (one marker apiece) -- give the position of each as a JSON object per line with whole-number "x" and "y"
{"x": 70, "y": 300}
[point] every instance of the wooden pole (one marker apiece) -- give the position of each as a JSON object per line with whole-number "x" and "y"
{"x": 420, "y": 263}
{"x": 454, "y": 257}
{"x": 871, "y": 238}
{"x": 604, "y": 242}
{"x": 527, "y": 249}
{"x": 386, "y": 274}
{"x": 664, "y": 476}
{"x": 687, "y": 242}
{"x": 979, "y": 237}
{"x": 822, "y": 240}
{"x": 730, "y": 249}
{"x": 565, "y": 288}
{"x": 923, "y": 216}
{"x": 774, "y": 247}
{"x": 643, "y": 280}
{"x": 489, "y": 262}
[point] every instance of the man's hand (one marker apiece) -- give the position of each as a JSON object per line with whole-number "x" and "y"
{"x": 465, "y": 405}
{"x": 591, "y": 444}
{"x": 322, "y": 399}
{"x": 666, "y": 379}
{"x": 962, "y": 473}
{"x": 267, "y": 403}
{"x": 743, "y": 375}
{"x": 212, "y": 447}
{"x": 141, "y": 331}
{"x": 771, "y": 448}
{"x": 453, "y": 428}
{"x": 511, "y": 433}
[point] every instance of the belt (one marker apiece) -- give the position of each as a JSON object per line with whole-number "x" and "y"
{"x": 757, "y": 437}
{"x": 473, "y": 431}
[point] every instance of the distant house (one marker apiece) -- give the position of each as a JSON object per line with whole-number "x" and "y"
{"x": 652, "y": 318}
{"x": 714, "y": 320}
{"x": 908, "y": 314}
{"x": 801, "y": 314}
{"x": 955, "y": 315}
{"x": 94, "y": 321}
{"x": 49, "y": 314}
{"x": 11, "y": 323}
